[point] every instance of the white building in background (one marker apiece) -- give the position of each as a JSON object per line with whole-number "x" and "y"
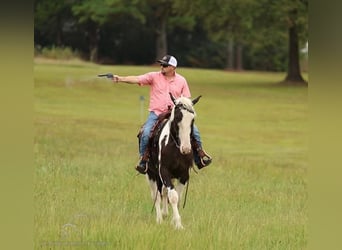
{"x": 305, "y": 60}
{"x": 305, "y": 50}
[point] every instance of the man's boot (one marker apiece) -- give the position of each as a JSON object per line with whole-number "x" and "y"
{"x": 201, "y": 158}
{"x": 142, "y": 166}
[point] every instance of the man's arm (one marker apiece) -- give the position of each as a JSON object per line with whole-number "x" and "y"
{"x": 186, "y": 90}
{"x": 126, "y": 79}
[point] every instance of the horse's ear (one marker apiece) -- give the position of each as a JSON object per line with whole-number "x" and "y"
{"x": 194, "y": 101}
{"x": 172, "y": 98}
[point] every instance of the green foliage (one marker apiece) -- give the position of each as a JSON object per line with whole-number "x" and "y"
{"x": 87, "y": 194}
{"x": 181, "y": 22}
{"x": 126, "y": 32}
{"x": 267, "y": 53}
{"x": 48, "y": 12}
{"x": 57, "y": 53}
{"x": 100, "y": 12}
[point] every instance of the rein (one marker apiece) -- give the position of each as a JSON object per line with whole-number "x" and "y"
{"x": 175, "y": 141}
{"x": 186, "y": 195}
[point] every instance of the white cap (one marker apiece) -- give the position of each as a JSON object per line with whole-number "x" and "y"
{"x": 169, "y": 60}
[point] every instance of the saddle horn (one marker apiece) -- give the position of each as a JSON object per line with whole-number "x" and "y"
{"x": 194, "y": 101}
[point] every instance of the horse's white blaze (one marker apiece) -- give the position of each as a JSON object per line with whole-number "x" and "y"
{"x": 184, "y": 132}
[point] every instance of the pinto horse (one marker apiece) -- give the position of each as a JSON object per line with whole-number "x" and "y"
{"x": 171, "y": 158}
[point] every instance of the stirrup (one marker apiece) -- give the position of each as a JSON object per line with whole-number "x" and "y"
{"x": 205, "y": 159}
{"x": 142, "y": 167}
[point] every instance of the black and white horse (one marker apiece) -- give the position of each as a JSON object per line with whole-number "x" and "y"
{"x": 171, "y": 159}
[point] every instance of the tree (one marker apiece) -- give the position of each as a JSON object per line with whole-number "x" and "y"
{"x": 234, "y": 34}
{"x": 225, "y": 21}
{"x": 165, "y": 19}
{"x": 245, "y": 25}
{"x": 297, "y": 19}
{"x": 290, "y": 16}
{"x": 93, "y": 14}
{"x": 49, "y": 19}
{"x": 158, "y": 13}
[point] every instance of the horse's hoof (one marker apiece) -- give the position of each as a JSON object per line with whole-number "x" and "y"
{"x": 179, "y": 227}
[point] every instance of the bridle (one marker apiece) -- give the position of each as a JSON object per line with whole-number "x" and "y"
{"x": 182, "y": 106}
{"x": 174, "y": 140}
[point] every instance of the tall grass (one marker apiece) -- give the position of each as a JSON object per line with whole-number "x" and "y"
{"x": 87, "y": 194}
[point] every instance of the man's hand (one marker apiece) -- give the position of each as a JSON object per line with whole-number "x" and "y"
{"x": 115, "y": 78}
{"x": 126, "y": 79}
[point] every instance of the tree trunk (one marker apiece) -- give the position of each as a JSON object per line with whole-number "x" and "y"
{"x": 239, "y": 63}
{"x": 59, "y": 35}
{"x": 94, "y": 37}
{"x": 161, "y": 41}
{"x": 294, "y": 76}
{"x": 230, "y": 54}
{"x": 93, "y": 54}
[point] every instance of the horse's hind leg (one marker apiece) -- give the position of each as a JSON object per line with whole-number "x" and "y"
{"x": 155, "y": 195}
{"x": 165, "y": 204}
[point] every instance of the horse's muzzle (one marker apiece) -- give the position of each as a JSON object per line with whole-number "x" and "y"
{"x": 185, "y": 150}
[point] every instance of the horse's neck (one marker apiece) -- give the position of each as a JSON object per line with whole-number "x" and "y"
{"x": 168, "y": 130}
{"x": 173, "y": 128}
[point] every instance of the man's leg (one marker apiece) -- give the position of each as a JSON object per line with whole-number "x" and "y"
{"x": 202, "y": 159}
{"x": 145, "y": 136}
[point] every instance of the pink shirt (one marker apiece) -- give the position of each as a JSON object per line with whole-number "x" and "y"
{"x": 160, "y": 88}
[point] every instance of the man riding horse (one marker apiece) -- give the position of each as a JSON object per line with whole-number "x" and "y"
{"x": 162, "y": 83}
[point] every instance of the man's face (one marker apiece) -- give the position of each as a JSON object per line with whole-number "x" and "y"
{"x": 166, "y": 69}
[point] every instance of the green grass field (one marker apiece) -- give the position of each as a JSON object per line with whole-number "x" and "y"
{"x": 87, "y": 194}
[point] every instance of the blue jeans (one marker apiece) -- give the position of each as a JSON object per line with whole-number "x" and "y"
{"x": 145, "y": 136}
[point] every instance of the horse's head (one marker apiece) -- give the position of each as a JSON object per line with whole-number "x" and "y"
{"x": 182, "y": 119}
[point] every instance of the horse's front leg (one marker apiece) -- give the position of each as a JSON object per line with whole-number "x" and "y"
{"x": 174, "y": 199}
{"x": 179, "y": 189}
{"x": 172, "y": 196}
